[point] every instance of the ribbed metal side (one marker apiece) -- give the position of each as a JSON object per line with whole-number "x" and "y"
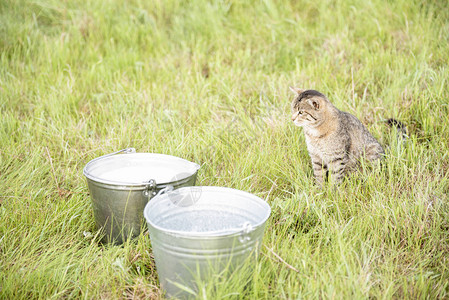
{"x": 200, "y": 232}
{"x": 118, "y": 209}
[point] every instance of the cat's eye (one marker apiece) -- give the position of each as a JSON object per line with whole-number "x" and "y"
{"x": 300, "y": 112}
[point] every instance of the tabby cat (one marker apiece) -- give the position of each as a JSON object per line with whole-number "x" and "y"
{"x": 336, "y": 140}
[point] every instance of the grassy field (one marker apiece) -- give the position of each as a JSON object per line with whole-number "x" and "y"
{"x": 208, "y": 82}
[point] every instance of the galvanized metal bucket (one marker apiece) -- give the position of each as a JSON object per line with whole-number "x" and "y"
{"x": 198, "y": 232}
{"x": 121, "y": 185}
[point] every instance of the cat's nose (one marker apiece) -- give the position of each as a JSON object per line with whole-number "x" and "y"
{"x": 294, "y": 116}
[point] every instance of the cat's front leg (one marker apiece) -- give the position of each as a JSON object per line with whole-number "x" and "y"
{"x": 338, "y": 166}
{"x": 319, "y": 170}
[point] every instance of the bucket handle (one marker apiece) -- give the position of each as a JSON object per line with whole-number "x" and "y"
{"x": 126, "y": 150}
{"x": 150, "y": 190}
{"x": 166, "y": 189}
{"x": 244, "y": 236}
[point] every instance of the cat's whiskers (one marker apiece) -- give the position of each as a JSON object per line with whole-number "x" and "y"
{"x": 311, "y": 116}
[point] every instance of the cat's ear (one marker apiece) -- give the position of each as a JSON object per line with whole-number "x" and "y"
{"x": 296, "y": 90}
{"x": 315, "y": 103}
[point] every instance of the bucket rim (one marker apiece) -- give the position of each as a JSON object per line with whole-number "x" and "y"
{"x": 209, "y": 234}
{"x": 86, "y": 173}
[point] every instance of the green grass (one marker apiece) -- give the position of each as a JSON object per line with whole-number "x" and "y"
{"x": 208, "y": 81}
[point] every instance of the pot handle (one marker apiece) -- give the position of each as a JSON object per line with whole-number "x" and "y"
{"x": 166, "y": 189}
{"x": 126, "y": 150}
{"x": 244, "y": 236}
{"x": 150, "y": 190}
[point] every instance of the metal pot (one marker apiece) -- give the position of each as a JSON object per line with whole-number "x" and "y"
{"x": 121, "y": 185}
{"x": 199, "y": 232}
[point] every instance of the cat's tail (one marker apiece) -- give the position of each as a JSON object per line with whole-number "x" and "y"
{"x": 400, "y": 128}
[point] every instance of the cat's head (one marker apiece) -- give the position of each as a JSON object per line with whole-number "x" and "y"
{"x": 308, "y": 107}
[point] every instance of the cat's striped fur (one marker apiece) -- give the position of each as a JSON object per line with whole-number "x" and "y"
{"x": 336, "y": 140}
